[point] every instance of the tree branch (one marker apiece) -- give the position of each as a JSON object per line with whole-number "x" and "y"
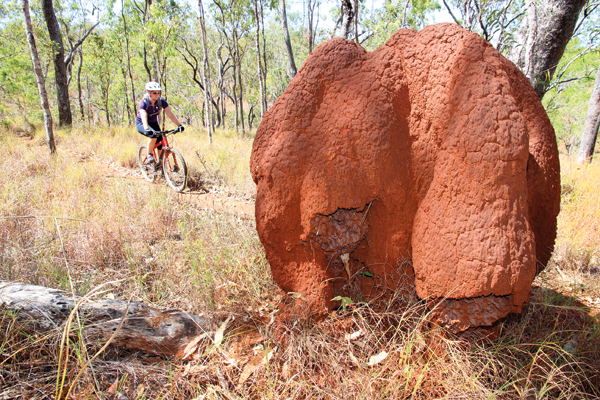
{"x": 69, "y": 58}
{"x": 451, "y": 14}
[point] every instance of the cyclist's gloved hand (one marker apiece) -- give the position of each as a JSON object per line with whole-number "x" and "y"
{"x": 181, "y": 129}
{"x": 150, "y": 131}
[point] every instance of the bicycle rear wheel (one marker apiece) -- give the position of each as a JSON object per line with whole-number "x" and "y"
{"x": 175, "y": 170}
{"x": 148, "y": 171}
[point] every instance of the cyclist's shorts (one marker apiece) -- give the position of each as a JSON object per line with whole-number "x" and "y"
{"x": 154, "y": 125}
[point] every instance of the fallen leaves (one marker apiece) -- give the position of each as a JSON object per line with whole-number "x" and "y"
{"x": 255, "y": 363}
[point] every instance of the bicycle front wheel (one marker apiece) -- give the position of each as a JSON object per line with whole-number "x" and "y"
{"x": 148, "y": 171}
{"x": 175, "y": 170}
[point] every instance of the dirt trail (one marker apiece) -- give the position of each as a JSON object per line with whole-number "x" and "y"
{"x": 203, "y": 198}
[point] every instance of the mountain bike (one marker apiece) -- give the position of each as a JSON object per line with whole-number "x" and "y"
{"x": 171, "y": 162}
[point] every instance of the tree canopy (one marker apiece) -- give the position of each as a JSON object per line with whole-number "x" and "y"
{"x": 111, "y": 50}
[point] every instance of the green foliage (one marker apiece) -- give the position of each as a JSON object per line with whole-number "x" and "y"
{"x": 134, "y": 44}
{"x": 567, "y": 101}
{"x": 346, "y": 301}
{"x": 17, "y": 82}
{"x": 381, "y": 23}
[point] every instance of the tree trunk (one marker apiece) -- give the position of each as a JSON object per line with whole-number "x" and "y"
{"x": 264, "y": 46}
{"x": 235, "y": 97}
{"x": 356, "y": 21}
{"x": 223, "y": 67}
{"x": 79, "y": 93}
{"x": 105, "y": 98}
{"x": 126, "y": 34}
{"x": 171, "y": 333}
{"x": 261, "y": 78}
{"x": 206, "y": 77}
{"x": 347, "y": 17}
{"x": 288, "y": 43}
{"x": 543, "y": 37}
{"x": 240, "y": 85}
{"x": 60, "y": 68}
{"x": 39, "y": 76}
{"x": 146, "y": 67}
{"x": 592, "y": 122}
{"x": 125, "y": 96}
{"x": 312, "y": 25}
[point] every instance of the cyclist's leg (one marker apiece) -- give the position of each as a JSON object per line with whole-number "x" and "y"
{"x": 156, "y": 127}
{"x": 151, "y": 142}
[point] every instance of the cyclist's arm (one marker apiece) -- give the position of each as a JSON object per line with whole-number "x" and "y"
{"x": 144, "y": 117}
{"x": 171, "y": 116}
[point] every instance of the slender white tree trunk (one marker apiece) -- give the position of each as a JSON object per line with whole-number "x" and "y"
{"x": 39, "y": 76}
{"x": 206, "y": 77}
{"x": 592, "y": 123}
{"x": 261, "y": 77}
{"x": 288, "y": 43}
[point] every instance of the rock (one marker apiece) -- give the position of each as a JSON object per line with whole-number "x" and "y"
{"x": 432, "y": 148}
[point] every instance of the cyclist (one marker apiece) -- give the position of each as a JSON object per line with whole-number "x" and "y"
{"x": 148, "y": 116}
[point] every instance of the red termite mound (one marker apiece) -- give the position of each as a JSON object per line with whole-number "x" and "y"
{"x": 433, "y": 149}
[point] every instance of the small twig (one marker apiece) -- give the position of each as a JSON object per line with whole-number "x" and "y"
{"x": 367, "y": 212}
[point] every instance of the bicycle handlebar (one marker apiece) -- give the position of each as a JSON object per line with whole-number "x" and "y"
{"x": 170, "y": 132}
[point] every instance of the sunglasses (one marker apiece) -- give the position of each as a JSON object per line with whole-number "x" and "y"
{"x": 154, "y": 92}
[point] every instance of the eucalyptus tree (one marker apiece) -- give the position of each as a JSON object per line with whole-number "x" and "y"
{"x": 128, "y": 56}
{"x": 201, "y": 69}
{"x": 288, "y": 42}
{"x": 233, "y": 22}
{"x": 347, "y": 13}
{"x": 206, "y": 75}
{"x": 41, "y": 83}
{"x": 592, "y": 122}
{"x": 60, "y": 68}
{"x": 224, "y": 65}
{"x": 541, "y": 40}
{"x": 311, "y": 7}
{"x": 79, "y": 90}
{"x": 102, "y": 64}
{"x": 261, "y": 69}
{"x": 62, "y": 62}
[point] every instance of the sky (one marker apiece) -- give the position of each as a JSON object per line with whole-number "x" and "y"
{"x": 326, "y": 5}
{"x": 297, "y": 6}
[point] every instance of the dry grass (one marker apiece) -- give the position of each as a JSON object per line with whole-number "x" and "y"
{"x": 575, "y": 266}
{"x": 83, "y": 218}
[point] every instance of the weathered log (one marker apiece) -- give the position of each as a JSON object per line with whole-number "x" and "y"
{"x": 144, "y": 328}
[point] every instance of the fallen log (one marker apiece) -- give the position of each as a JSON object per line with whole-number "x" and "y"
{"x": 166, "y": 332}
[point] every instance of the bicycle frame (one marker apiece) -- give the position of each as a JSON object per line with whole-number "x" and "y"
{"x": 165, "y": 148}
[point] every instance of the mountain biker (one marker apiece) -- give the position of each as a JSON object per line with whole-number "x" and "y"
{"x": 147, "y": 119}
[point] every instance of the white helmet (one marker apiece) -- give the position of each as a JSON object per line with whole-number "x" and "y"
{"x": 152, "y": 86}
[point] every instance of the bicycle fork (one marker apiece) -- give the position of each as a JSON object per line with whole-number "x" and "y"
{"x": 165, "y": 159}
